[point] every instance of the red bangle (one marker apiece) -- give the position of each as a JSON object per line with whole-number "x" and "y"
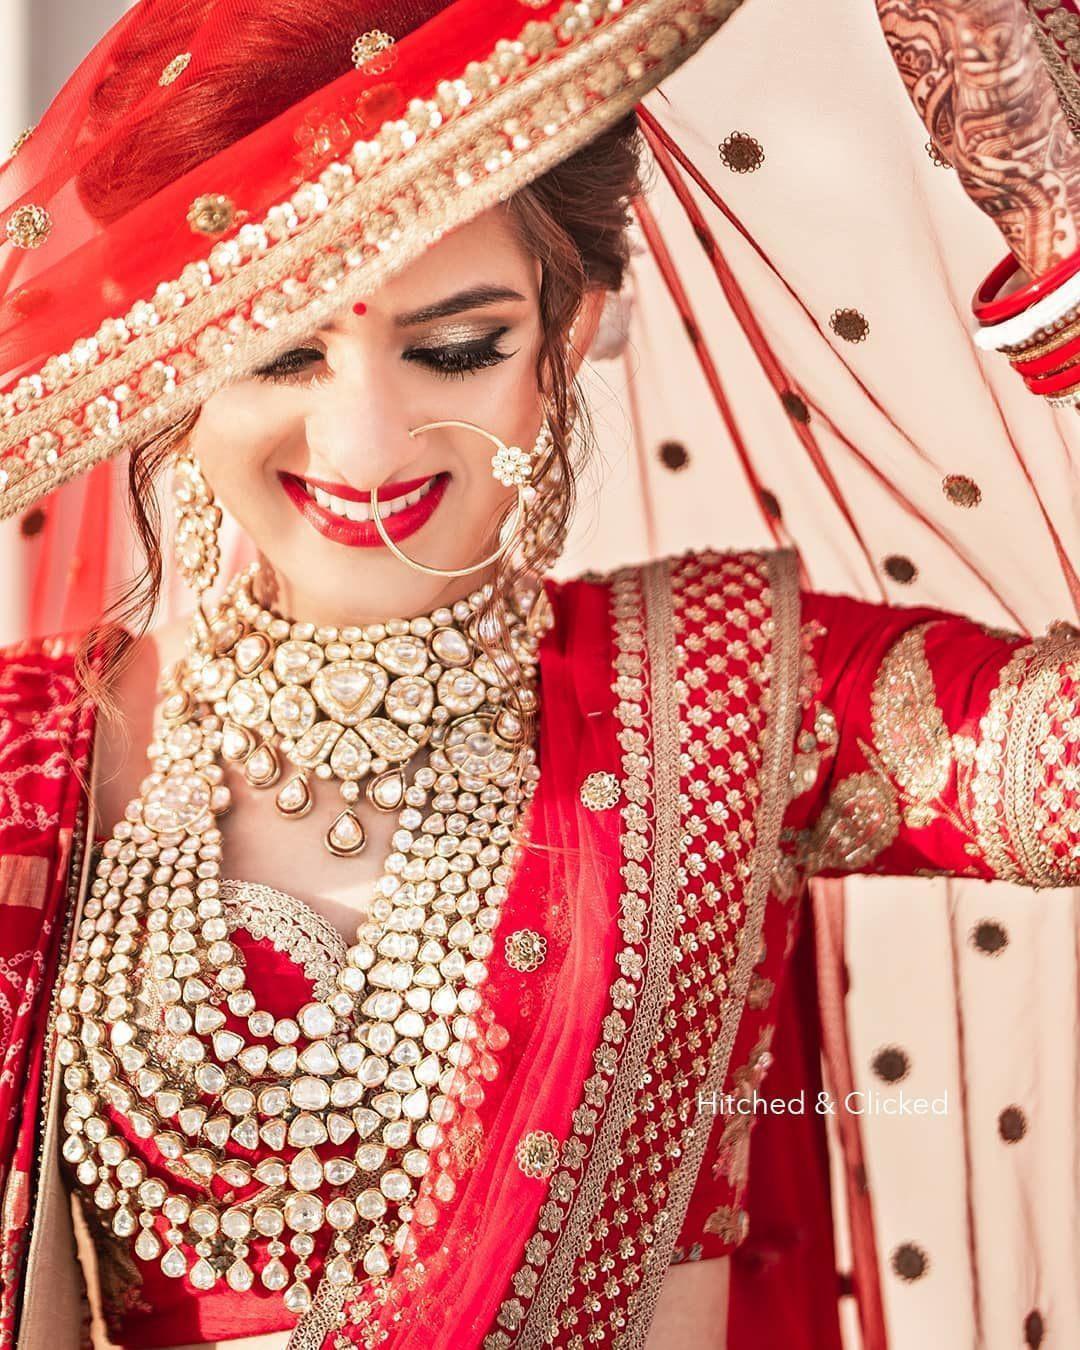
{"x": 988, "y": 309}
{"x": 1053, "y": 384}
{"x": 1046, "y": 365}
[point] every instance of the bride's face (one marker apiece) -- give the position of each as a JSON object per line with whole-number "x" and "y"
{"x": 295, "y": 451}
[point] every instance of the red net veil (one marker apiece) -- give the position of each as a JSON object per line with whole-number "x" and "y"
{"x": 790, "y": 363}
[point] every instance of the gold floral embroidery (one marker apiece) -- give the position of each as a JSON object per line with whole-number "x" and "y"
{"x": 370, "y": 45}
{"x": 729, "y": 1223}
{"x": 910, "y": 734}
{"x": 211, "y": 214}
{"x": 537, "y": 1154}
{"x": 732, "y": 1161}
{"x": 600, "y": 791}
{"x": 860, "y": 819}
{"x": 28, "y": 226}
{"x": 525, "y": 949}
{"x": 1024, "y": 784}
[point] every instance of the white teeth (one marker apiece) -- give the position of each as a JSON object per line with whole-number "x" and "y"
{"x": 361, "y": 511}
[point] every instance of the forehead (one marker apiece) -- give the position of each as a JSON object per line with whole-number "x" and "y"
{"x": 488, "y": 249}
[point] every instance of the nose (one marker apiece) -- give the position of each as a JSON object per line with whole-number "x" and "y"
{"x": 357, "y": 425}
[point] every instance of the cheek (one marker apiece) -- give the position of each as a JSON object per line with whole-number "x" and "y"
{"x": 237, "y": 433}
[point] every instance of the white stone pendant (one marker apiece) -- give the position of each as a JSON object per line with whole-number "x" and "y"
{"x": 346, "y": 836}
{"x": 387, "y": 791}
{"x": 294, "y": 797}
{"x": 262, "y": 767}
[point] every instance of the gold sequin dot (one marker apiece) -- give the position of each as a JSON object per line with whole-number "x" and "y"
{"x": 370, "y": 45}
{"x": 28, "y": 226}
{"x": 525, "y": 950}
{"x": 600, "y": 791}
{"x": 741, "y": 153}
{"x": 211, "y": 214}
{"x": 537, "y": 1154}
{"x": 850, "y": 325}
{"x": 673, "y": 455}
{"x": 937, "y": 158}
{"x": 19, "y": 141}
{"x": 1012, "y": 1124}
{"x": 961, "y": 490}
{"x": 989, "y": 937}
{"x": 910, "y": 1262}
{"x": 891, "y": 1064}
{"x": 32, "y": 523}
{"x": 770, "y": 503}
{"x": 175, "y": 68}
{"x": 795, "y": 406}
{"x": 900, "y": 569}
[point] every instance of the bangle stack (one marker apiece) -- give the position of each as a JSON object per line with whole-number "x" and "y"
{"x": 1036, "y": 326}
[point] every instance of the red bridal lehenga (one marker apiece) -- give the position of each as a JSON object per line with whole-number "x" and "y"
{"x": 712, "y": 730}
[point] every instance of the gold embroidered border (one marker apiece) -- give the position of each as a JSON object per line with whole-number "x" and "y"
{"x": 779, "y": 739}
{"x": 610, "y": 61}
{"x": 644, "y": 669}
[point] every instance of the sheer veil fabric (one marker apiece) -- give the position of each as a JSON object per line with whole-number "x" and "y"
{"x": 798, "y": 369}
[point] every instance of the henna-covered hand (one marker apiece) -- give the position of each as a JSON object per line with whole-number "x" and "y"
{"x": 975, "y": 75}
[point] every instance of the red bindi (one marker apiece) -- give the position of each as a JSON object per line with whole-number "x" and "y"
{"x": 359, "y": 307}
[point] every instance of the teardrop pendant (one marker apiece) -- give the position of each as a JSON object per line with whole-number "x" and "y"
{"x": 294, "y": 798}
{"x": 346, "y": 836}
{"x": 387, "y": 791}
{"x": 262, "y": 767}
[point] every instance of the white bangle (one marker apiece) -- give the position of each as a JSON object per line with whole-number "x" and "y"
{"x": 1042, "y": 314}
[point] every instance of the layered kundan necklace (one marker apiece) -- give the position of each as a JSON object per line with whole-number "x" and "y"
{"x": 349, "y": 1101}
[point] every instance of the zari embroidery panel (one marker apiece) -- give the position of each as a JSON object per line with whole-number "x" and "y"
{"x": 720, "y": 622}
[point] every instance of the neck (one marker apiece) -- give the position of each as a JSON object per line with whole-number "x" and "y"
{"x": 292, "y": 599}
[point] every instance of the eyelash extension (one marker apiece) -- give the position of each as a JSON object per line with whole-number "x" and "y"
{"x": 451, "y": 362}
{"x": 461, "y": 359}
{"x": 289, "y": 365}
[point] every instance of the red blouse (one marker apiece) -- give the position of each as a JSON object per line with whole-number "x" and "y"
{"x": 885, "y": 779}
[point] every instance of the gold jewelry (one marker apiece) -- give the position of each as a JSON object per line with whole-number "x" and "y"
{"x": 198, "y": 519}
{"x": 510, "y": 465}
{"x": 343, "y": 704}
{"x": 376, "y": 1069}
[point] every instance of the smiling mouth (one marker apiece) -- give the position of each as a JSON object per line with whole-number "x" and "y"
{"x": 343, "y": 514}
{"x": 392, "y": 501}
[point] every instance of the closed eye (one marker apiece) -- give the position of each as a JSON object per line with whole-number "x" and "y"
{"x": 455, "y": 359}
{"x": 458, "y": 359}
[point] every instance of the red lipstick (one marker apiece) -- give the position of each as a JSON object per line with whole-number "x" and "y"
{"x": 362, "y": 533}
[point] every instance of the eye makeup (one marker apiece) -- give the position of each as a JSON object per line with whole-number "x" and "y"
{"x": 454, "y": 350}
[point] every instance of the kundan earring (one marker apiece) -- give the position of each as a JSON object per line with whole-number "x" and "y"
{"x": 198, "y": 518}
{"x": 510, "y": 465}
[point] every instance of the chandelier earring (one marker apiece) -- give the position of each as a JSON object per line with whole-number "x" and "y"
{"x": 510, "y": 465}
{"x": 198, "y": 519}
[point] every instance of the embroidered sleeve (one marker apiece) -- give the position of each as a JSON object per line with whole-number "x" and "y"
{"x": 930, "y": 744}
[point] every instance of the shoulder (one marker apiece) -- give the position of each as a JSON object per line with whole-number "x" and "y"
{"x": 717, "y": 579}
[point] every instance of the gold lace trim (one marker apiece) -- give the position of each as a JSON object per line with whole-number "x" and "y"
{"x": 291, "y": 927}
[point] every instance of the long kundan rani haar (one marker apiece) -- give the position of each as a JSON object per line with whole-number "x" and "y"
{"x": 351, "y": 1100}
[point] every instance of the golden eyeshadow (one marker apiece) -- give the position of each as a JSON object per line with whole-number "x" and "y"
{"x": 457, "y": 333}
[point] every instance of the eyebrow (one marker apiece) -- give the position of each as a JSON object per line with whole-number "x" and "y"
{"x": 476, "y": 297}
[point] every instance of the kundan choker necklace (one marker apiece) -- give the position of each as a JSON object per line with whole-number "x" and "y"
{"x": 349, "y": 1102}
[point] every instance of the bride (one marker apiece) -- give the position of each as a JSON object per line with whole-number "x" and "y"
{"x": 385, "y": 934}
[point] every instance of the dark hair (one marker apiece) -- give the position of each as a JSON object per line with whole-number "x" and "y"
{"x": 573, "y": 219}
